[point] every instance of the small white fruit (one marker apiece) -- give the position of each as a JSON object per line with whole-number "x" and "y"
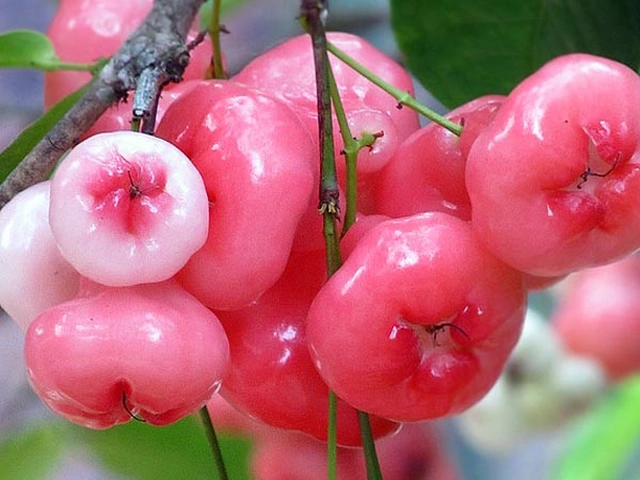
{"x": 128, "y": 208}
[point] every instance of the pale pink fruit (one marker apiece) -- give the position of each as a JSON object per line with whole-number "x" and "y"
{"x": 128, "y": 208}
{"x": 34, "y": 274}
{"x": 598, "y": 316}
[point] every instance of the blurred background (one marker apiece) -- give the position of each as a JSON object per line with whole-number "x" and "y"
{"x": 30, "y": 434}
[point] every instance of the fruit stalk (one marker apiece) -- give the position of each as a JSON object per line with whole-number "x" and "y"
{"x": 313, "y": 14}
{"x": 403, "y": 98}
{"x": 221, "y": 469}
{"x": 214, "y": 29}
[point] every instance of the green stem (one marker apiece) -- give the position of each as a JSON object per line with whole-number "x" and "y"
{"x": 79, "y": 67}
{"x": 351, "y": 148}
{"x": 332, "y": 437}
{"x": 214, "y": 32}
{"x": 214, "y": 444}
{"x": 370, "y": 455}
{"x": 135, "y": 124}
{"x": 55, "y": 65}
{"x": 403, "y": 98}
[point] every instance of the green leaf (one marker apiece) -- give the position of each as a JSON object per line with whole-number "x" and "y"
{"x": 30, "y": 455}
{"x": 11, "y": 156}
{"x": 27, "y": 49}
{"x": 180, "y": 450}
{"x": 464, "y": 49}
{"x": 603, "y": 444}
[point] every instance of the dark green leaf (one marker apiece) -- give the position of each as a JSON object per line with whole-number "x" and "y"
{"x": 461, "y": 50}
{"x": 180, "y": 450}
{"x": 30, "y": 455}
{"x": 27, "y": 49}
{"x": 11, "y": 156}
{"x": 602, "y": 445}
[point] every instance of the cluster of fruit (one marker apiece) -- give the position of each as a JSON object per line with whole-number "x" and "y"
{"x": 151, "y": 271}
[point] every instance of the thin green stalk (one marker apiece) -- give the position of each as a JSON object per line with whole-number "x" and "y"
{"x": 403, "y": 98}
{"x": 370, "y": 455}
{"x": 352, "y": 147}
{"x": 221, "y": 469}
{"x": 78, "y": 67}
{"x": 135, "y": 124}
{"x": 351, "y": 150}
{"x": 329, "y": 192}
{"x": 332, "y": 437}
{"x": 214, "y": 32}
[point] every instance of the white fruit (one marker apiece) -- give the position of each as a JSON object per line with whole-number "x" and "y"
{"x": 128, "y": 208}
{"x": 34, "y": 275}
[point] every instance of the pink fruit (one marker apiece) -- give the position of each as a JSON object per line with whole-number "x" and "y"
{"x": 83, "y": 31}
{"x": 110, "y": 353}
{"x": 128, "y": 208}
{"x": 272, "y": 377}
{"x": 259, "y": 181}
{"x": 597, "y": 316}
{"x": 287, "y": 72}
{"x": 414, "y": 453}
{"x": 554, "y": 180}
{"x": 427, "y": 170}
{"x": 418, "y": 322}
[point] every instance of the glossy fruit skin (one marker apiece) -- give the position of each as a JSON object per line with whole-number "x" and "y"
{"x": 555, "y": 178}
{"x": 103, "y": 26}
{"x": 34, "y": 274}
{"x": 427, "y": 170}
{"x": 271, "y": 376}
{"x": 288, "y": 73}
{"x": 370, "y": 326}
{"x": 127, "y": 208}
{"x": 152, "y": 347}
{"x": 259, "y": 183}
{"x": 597, "y": 316}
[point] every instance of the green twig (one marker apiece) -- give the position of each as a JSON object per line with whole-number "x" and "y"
{"x": 332, "y": 437}
{"x": 403, "y": 98}
{"x": 350, "y": 151}
{"x": 352, "y": 147}
{"x": 78, "y": 67}
{"x": 221, "y": 469}
{"x": 135, "y": 124}
{"x": 370, "y": 456}
{"x": 214, "y": 33}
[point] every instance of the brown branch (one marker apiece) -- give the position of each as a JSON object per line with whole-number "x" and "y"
{"x": 155, "y": 53}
